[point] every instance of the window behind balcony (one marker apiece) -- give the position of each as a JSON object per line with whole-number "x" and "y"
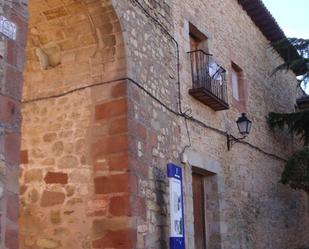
{"x": 198, "y": 41}
{"x": 208, "y": 77}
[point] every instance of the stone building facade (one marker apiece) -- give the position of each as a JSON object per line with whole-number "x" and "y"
{"x": 105, "y": 106}
{"x": 11, "y": 69}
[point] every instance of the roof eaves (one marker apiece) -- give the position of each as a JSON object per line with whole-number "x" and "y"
{"x": 264, "y": 20}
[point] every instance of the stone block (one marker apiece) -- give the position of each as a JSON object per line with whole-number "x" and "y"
{"x": 119, "y": 162}
{"x": 11, "y": 238}
{"x": 125, "y": 238}
{"x": 24, "y": 157}
{"x": 119, "y": 206}
{"x": 110, "y": 145}
{"x": 68, "y": 162}
{"x": 120, "y": 183}
{"x": 33, "y": 175}
{"x": 52, "y": 198}
{"x": 56, "y": 177}
{"x": 119, "y": 125}
{"x": 12, "y": 206}
{"x": 111, "y": 109}
{"x": 12, "y": 147}
{"x": 55, "y": 13}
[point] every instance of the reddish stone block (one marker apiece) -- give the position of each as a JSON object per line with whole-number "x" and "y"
{"x": 13, "y": 82}
{"x": 56, "y": 177}
{"x": 119, "y": 162}
{"x": 109, "y": 145}
{"x": 9, "y": 109}
{"x": 11, "y": 239}
{"x": 124, "y": 239}
{"x": 119, "y": 126}
{"x": 119, "y": 205}
{"x": 115, "y": 184}
{"x": 12, "y": 147}
{"x": 138, "y": 207}
{"x": 52, "y": 198}
{"x": 12, "y": 52}
{"x": 22, "y": 189}
{"x": 139, "y": 167}
{"x": 138, "y": 130}
{"x": 24, "y": 157}
{"x": 119, "y": 90}
{"x": 12, "y": 207}
{"x": 111, "y": 109}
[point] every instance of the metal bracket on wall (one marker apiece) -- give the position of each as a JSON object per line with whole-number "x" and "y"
{"x": 231, "y": 140}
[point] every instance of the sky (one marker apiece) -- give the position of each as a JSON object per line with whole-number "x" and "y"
{"x": 293, "y": 18}
{"x": 291, "y": 15}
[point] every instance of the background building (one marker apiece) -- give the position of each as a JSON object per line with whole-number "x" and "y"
{"x": 107, "y": 102}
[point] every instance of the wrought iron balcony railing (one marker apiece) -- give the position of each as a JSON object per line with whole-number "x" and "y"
{"x": 209, "y": 81}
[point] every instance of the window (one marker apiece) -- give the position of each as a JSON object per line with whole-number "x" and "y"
{"x": 194, "y": 42}
{"x": 209, "y": 84}
{"x": 198, "y": 41}
{"x": 235, "y": 84}
{"x": 238, "y": 87}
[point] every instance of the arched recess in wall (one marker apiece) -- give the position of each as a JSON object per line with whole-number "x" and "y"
{"x": 74, "y": 56}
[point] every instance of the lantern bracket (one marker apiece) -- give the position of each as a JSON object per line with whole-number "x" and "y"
{"x": 231, "y": 140}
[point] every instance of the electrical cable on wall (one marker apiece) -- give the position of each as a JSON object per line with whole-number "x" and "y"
{"x": 187, "y": 114}
{"x": 221, "y": 132}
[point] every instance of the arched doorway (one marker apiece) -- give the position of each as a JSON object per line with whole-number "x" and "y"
{"x": 74, "y": 180}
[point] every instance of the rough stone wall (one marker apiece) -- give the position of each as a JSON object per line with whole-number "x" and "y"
{"x": 74, "y": 176}
{"x": 94, "y": 159}
{"x": 11, "y": 68}
{"x": 153, "y": 130}
{"x": 245, "y": 187}
{"x": 255, "y": 211}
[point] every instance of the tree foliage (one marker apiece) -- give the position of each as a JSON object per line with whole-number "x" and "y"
{"x": 296, "y": 171}
{"x": 299, "y": 63}
{"x": 297, "y": 123}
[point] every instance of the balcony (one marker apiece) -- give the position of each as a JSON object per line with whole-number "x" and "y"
{"x": 209, "y": 81}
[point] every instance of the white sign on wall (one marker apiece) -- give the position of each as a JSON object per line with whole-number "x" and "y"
{"x": 8, "y": 28}
{"x": 176, "y": 208}
{"x": 177, "y": 235}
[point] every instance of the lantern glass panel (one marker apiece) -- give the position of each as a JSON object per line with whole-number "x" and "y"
{"x": 249, "y": 127}
{"x": 242, "y": 127}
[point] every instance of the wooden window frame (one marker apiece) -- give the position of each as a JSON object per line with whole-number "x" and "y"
{"x": 239, "y": 104}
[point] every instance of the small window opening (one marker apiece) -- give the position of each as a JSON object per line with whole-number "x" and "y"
{"x": 238, "y": 87}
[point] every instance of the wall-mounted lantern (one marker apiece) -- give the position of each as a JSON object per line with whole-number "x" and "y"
{"x": 244, "y": 127}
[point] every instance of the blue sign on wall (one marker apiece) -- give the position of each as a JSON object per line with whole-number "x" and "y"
{"x": 177, "y": 234}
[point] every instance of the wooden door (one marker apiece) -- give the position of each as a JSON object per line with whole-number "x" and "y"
{"x": 199, "y": 211}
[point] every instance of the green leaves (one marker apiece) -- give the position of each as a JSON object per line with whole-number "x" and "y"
{"x": 297, "y": 56}
{"x": 296, "y": 172}
{"x": 296, "y": 123}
